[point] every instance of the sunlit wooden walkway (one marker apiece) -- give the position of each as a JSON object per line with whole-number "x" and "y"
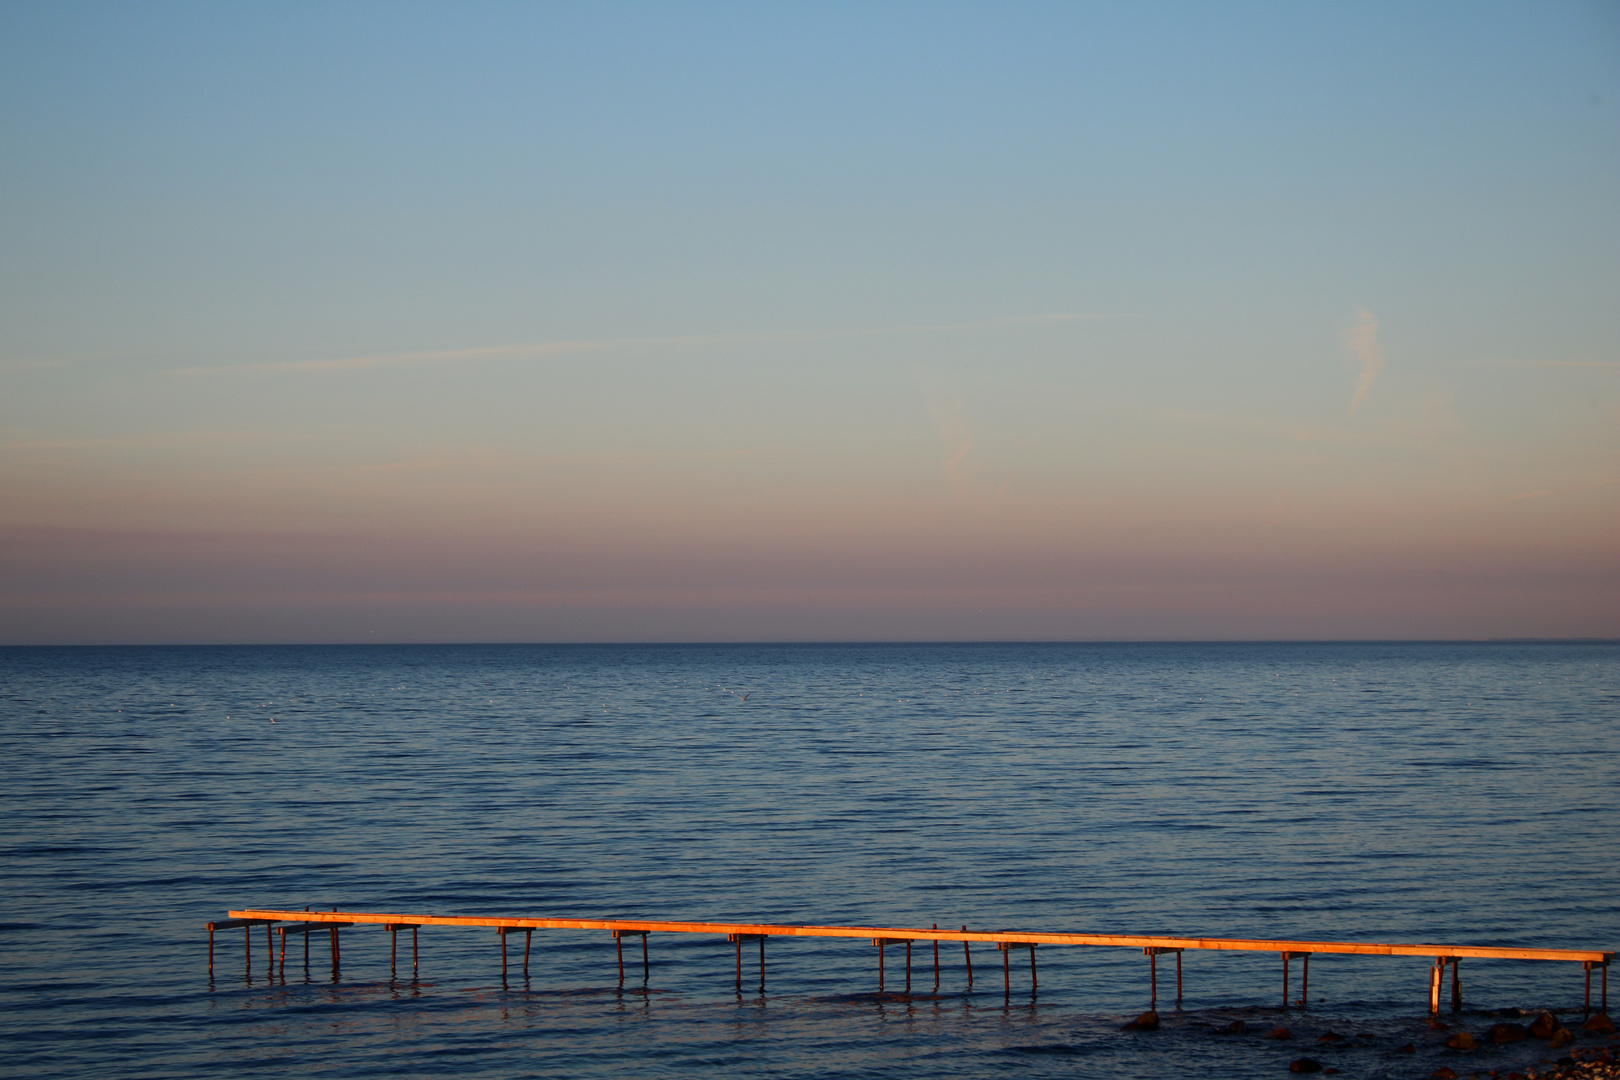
{"x": 1006, "y": 941}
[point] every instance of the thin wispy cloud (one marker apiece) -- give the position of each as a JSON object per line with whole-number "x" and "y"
{"x": 157, "y": 440}
{"x": 535, "y": 350}
{"x": 1562, "y": 490}
{"x": 1589, "y": 365}
{"x": 1362, "y": 339}
{"x": 950, "y": 417}
{"x": 28, "y": 363}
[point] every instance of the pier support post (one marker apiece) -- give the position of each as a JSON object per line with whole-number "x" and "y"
{"x": 247, "y": 926}
{"x": 1305, "y": 976}
{"x": 737, "y": 939}
{"x": 968, "y": 958}
{"x": 1602, "y": 967}
{"x": 1456, "y": 987}
{"x": 1006, "y": 948}
{"x": 393, "y": 946}
{"x": 502, "y": 931}
{"x": 1153, "y": 952}
{"x": 1437, "y": 976}
{"x": 880, "y": 942}
{"x": 642, "y": 934}
{"x": 936, "y": 961}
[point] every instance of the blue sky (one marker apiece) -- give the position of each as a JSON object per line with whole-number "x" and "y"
{"x": 641, "y": 321}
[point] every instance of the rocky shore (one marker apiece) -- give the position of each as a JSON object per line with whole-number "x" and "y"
{"x": 1586, "y": 1062}
{"x": 1589, "y": 1052}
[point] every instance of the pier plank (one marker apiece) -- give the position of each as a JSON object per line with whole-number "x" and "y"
{"x": 1594, "y": 956}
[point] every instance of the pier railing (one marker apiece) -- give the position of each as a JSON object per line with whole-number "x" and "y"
{"x": 1006, "y": 941}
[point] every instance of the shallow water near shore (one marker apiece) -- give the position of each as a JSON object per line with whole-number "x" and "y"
{"x": 1461, "y": 793}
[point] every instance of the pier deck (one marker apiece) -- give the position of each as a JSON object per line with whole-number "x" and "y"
{"x": 1145, "y": 941}
{"x": 1152, "y": 945}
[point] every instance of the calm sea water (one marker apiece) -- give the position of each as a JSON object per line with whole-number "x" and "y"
{"x": 1467, "y": 793}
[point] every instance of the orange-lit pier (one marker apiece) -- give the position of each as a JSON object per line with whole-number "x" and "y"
{"x": 1006, "y": 941}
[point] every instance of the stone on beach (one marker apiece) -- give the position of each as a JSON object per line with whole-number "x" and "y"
{"x": 1599, "y": 1023}
{"x": 1148, "y": 1021}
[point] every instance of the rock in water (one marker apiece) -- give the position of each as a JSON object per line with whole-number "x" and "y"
{"x": 1543, "y": 1026}
{"x": 1409, "y": 1048}
{"x": 1148, "y": 1021}
{"x": 1599, "y": 1023}
{"x": 1236, "y": 1027}
{"x": 1462, "y": 1041}
{"x": 1279, "y": 1033}
{"x": 1330, "y": 1036}
{"x": 1304, "y": 1065}
{"x": 1562, "y": 1037}
{"x": 1444, "y": 1072}
{"x": 1508, "y": 1033}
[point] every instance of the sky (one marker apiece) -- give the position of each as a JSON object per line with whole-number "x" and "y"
{"x": 739, "y": 322}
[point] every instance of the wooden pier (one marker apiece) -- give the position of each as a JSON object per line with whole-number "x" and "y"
{"x": 1006, "y": 941}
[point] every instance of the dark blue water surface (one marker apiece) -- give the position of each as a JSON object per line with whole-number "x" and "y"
{"x": 1464, "y": 793}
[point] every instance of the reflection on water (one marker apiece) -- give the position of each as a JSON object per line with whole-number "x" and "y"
{"x": 1412, "y": 792}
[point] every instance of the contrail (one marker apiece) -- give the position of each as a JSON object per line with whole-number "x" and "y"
{"x": 556, "y": 348}
{"x": 1362, "y": 339}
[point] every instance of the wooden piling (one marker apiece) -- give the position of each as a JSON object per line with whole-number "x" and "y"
{"x": 738, "y": 939}
{"x": 880, "y": 943}
{"x": 642, "y": 934}
{"x": 393, "y": 929}
{"x": 1006, "y": 948}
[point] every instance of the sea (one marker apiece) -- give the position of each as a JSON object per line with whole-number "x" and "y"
{"x": 1448, "y": 793}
